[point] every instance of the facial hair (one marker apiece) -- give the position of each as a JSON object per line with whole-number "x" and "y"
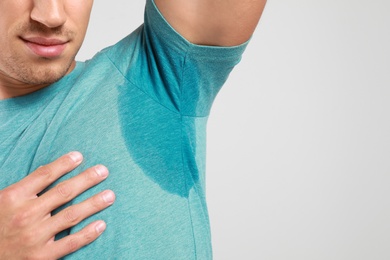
{"x": 40, "y": 71}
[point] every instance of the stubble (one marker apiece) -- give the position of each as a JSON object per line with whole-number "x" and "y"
{"x": 40, "y": 70}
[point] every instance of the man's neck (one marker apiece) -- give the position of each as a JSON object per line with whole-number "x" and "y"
{"x": 11, "y": 87}
{"x": 7, "y": 92}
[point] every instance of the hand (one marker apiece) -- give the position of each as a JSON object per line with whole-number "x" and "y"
{"x": 27, "y": 228}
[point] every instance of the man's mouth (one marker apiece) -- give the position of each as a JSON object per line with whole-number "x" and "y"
{"x": 45, "y": 47}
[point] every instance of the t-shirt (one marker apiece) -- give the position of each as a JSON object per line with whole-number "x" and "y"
{"x": 140, "y": 108}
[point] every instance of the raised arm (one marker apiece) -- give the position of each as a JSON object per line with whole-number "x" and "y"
{"x": 213, "y": 22}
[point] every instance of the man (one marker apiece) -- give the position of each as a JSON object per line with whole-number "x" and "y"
{"x": 139, "y": 107}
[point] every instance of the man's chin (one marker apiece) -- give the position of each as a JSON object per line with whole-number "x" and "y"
{"x": 46, "y": 76}
{"x": 47, "y": 79}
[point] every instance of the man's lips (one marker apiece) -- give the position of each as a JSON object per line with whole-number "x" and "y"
{"x": 45, "y": 47}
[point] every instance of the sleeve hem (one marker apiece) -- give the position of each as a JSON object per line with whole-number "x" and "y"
{"x": 164, "y": 28}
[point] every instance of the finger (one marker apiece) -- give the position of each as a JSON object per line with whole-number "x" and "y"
{"x": 69, "y": 189}
{"x": 76, "y": 241}
{"x": 73, "y": 215}
{"x": 38, "y": 180}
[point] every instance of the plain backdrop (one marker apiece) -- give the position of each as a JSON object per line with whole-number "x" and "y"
{"x": 298, "y": 163}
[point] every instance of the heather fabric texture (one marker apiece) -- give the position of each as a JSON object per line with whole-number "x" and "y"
{"x": 139, "y": 107}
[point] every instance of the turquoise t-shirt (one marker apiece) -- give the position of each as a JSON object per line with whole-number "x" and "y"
{"x": 139, "y": 107}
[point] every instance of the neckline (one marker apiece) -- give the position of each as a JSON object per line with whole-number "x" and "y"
{"x": 26, "y": 101}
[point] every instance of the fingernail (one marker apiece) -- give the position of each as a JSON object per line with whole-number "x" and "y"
{"x": 108, "y": 197}
{"x": 101, "y": 170}
{"x": 100, "y": 227}
{"x": 76, "y": 156}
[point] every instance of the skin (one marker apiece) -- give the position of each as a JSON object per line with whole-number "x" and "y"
{"x": 205, "y": 22}
{"x": 213, "y": 22}
{"x": 21, "y": 70}
{"x": 39, "y": 40}
{"x": 27, "y": 228}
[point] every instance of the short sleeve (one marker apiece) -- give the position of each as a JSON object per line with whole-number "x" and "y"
{"x": 181, "y": 76}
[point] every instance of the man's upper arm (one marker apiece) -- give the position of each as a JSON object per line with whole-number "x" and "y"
{"x": 213, "y": 22}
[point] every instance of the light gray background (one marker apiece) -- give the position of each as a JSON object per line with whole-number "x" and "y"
{"x": 299, "y": 138}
